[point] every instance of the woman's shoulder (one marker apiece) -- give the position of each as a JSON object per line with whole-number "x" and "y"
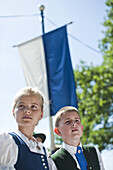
{"x": 5, "y": 136}
{"x": 6, "y": 140}
{"x": 8, "y": 150}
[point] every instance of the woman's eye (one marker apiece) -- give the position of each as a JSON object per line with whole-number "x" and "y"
{"x": 21, "y": 106}
{"x": 34, "y": 107}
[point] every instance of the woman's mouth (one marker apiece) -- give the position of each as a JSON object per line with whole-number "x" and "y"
{"x": 26, "y": 117}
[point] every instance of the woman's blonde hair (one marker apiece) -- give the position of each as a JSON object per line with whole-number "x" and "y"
{"x": 28, "y": 91}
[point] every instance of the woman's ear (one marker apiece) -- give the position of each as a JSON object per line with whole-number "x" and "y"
{"x": 41, "y": 116}
{"x": 56, "y": 130}
{"x": 13, "y": 113}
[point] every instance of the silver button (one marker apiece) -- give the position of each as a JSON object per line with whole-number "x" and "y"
{"x": 44, "y": 164}
{"x": 43, "y": 160}
{"x": 45, "y": 167}
{"x": 42, "y": 156}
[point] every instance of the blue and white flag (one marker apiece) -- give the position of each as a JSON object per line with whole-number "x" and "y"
{"x": 47, "y": 64}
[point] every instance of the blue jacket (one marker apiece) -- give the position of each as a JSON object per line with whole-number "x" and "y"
{"x": 28, "y": 160}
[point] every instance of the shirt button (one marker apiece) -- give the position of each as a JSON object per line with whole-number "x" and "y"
{"x": 43, "y": 164}
{"x": 43, "y": 160}
{"x": 45, "y": 167}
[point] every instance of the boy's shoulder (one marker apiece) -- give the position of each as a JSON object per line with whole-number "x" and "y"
{"x": 63, "y": 159}
{"x": 59, "y": 153}
{"x": 88, "y": 148}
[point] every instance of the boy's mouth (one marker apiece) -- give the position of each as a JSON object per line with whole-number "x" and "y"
{"x": 74, "y": 130}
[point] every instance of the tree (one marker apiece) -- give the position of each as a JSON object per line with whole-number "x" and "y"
{"x": 95, "y": 92}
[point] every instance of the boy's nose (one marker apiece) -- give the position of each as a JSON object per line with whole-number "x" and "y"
{"x": 73, "y": 123}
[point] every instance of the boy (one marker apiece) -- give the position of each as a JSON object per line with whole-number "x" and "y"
{"x": 68, "y": 126}
{"x": 20, "y": 150}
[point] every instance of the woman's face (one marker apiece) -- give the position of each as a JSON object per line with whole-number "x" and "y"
{"x": 27, "y": 111}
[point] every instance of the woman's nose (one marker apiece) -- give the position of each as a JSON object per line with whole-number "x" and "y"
{"x": 27, "y": 110}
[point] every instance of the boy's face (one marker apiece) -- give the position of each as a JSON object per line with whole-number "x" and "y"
{"x": 27, "y": 111}
{"x": 70, "y": 128}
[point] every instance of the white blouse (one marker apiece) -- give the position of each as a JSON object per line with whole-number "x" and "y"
{"x": 9, "y": 151}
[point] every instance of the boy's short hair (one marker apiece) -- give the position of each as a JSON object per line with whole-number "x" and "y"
{"x": 62, "y": 111}
{"x": 28, "y": 91}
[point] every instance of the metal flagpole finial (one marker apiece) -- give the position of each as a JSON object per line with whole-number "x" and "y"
{"x": 41, "y": 8}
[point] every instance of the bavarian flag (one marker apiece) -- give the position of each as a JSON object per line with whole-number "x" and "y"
{"x": 47, "y": 64}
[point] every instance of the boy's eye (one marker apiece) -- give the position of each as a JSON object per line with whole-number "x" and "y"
{"x": 77, "y": 120}
{"x": 67, "y": 122}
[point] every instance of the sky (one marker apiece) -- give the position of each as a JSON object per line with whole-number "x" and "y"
{"x": 87, "y": 17}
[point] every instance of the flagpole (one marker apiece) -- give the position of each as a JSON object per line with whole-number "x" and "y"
{"x": 42, "y": 7}
{"x": 52, "y": 146}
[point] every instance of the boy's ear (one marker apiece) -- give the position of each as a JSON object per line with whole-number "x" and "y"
{"x": 82, "y": 128}
{"x": 56, "y": 130}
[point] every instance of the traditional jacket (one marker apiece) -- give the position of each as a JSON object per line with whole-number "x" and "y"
{"x": 64, "y": 161}
{"x": 28, "y": 160}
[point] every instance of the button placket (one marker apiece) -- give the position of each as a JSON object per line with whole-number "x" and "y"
{"x": 43, "y": 162}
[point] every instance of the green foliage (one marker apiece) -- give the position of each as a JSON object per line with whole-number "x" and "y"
{"x": 95, "y": 92}
{"x": 58, "y": 139}
{"x": 95, "y": 103}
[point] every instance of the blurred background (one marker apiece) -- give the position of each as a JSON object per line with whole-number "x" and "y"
{"x": 20, "y": 22}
